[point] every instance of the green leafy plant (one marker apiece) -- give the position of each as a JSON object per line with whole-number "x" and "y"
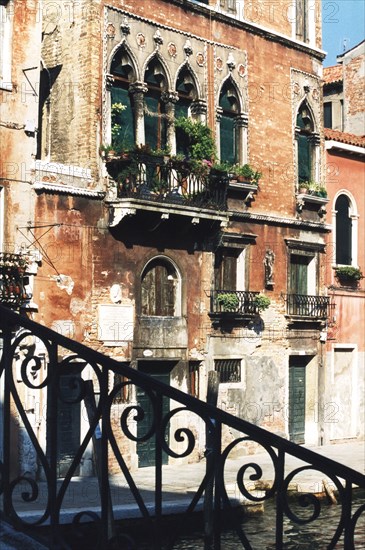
{"x": 313, "y": 188}
{"x": 348, "y": 274}
{"x": 127, "y": 176}
{"x": 228, "y": 301}
{"x": 116, "y": 112}
{"x": 222, "y": 168}
{"x": 106, "y": 151}
{"x": 198, "y": 138}
{"x": 261, "y": 302}
{"x": 247, "y": 172}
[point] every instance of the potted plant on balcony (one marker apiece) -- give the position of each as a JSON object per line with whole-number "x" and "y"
{"x": 312, "y": 188}
{"x": 261, "y": 302}
{"x": 228, "y": 301}
{"x": 220, "y": 170}
{"x": 348, "y": 274}
{"x": 247, "y": 173}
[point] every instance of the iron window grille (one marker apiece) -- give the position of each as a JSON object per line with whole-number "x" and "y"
{"x": 229, "y": 370}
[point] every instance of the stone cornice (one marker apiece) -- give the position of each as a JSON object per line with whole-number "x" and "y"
{"x": 278, "y": 220}
{"x": 210, "y": 11}
{"x": 55, "y": 188}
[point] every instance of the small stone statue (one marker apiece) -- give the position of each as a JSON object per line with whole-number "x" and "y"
{"x": 269, "y": 268}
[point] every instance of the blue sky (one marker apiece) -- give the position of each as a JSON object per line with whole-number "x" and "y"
{"x": 343, "y": 22}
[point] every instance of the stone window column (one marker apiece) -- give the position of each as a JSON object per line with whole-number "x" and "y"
{"x": 137, "y": 90}
{"x": 170, "y": 99}
{"x": 241, "y": 130}
{"x": 199, "y": 110}
{"x": 218, "y": 118}
{"x": 314, "y": 140}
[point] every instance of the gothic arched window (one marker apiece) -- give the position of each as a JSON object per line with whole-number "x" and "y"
{"x": 122, "y": 112}
{"x": 155, "y": 113}
{"x": 187, "y": 92}
{"x": 304, "y": 133}
{"x": 229, "y": 109}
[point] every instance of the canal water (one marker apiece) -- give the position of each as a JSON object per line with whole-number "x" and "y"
{"x": 260, "y": 530}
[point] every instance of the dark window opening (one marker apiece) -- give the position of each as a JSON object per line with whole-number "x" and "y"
{"x": 225, "y": 269}
{"x": 155, "y": 115}
{"x": 305, "y": 129}
{"x": 327, "y": 111}
{"x": 229, "y": 370}
{"x": 343, "y": 231}
{"x": 186, "y": 89}
{"x": 122, "y": 121}
{"x": 47, "y": 79}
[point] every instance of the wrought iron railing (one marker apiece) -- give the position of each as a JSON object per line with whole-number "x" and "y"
{"x": 316, "y": 307}
{"x": 238, "y": 302}
{"x": 160, "y": 179}
{"x": 24, "y": 369}
{"x": 12, "y": 267}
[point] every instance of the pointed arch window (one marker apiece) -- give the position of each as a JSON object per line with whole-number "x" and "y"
{"x": 160, "y": 289}
{"x": 155, "y": 112}
{"x": 229, "y": 133}
{"x": 122, "y": 119}
{"x": 343, "y": 231}
{"x": 187, "y": 93}
{"x": 307, "y": 145}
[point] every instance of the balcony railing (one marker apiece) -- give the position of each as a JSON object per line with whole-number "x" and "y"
{"x": 22, "y": 367}
{"x": 315, "y": 307}
{"x": 235, "y": 302}
{"x": 160, "y": 179}
{"x": 12, "y": 267}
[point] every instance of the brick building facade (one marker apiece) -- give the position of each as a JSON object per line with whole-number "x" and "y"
{"x": 157, "y": 264}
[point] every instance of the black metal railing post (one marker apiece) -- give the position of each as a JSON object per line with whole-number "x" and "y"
{"x": 6, "y": 365}
{"x": 52, "y": 444}
{"x": 279, "y": 500}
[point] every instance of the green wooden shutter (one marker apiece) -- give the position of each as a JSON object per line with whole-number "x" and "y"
{"x": 299, "y": 274}
{"x": 304, "y": 158}
{"x": 227, "y": 139}
{"x": 296, "y": 401}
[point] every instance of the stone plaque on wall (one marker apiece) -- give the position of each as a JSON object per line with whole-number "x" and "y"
{"x": 116, "y": 323}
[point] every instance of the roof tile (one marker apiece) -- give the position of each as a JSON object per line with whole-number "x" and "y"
{"x": 333, "y": 74}
{"x": 344, "y": 137}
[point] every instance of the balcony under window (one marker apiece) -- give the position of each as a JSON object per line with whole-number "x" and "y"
{"x": 168, "y": 187}
{"x": 233, "y": 305}
{"x": 301, "y": 307}
{"x": 12, "y": 292}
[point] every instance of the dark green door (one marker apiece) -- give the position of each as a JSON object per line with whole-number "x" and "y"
{"x": 146, "y": 449}
{"x": 68, "y": 423}
{"x": 296, "y": 400}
